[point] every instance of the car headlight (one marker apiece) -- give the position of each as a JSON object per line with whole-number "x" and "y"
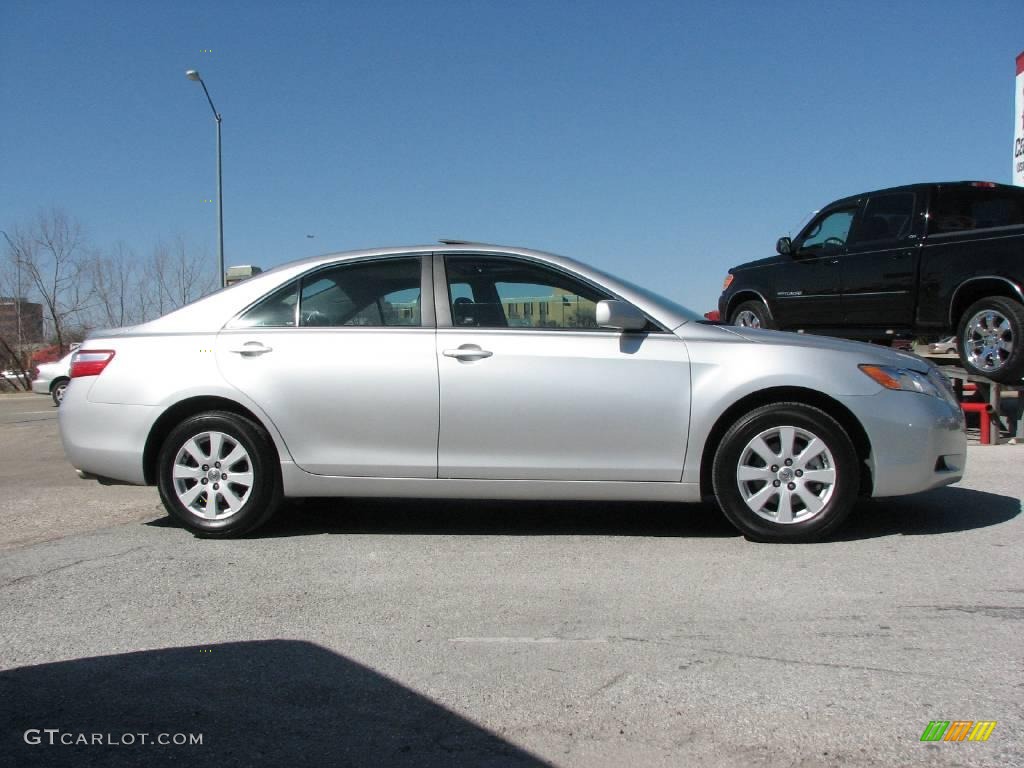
{"x": 932, "y": 383}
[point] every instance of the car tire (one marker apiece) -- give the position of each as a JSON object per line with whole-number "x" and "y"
{"x": 751, "y": 314}
{"x": 223, "y": 458}
{"x": 57, "y": 390}
{"x": 990, "y": 338}
{"x": 769, "y": 500}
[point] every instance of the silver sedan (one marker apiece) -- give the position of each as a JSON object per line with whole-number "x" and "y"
{"x": 470, "y": 370}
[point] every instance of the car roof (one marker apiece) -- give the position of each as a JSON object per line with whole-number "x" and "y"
{"x": 216, "y": 309}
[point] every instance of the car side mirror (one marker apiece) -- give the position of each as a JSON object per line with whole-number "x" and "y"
{"x": 620, "y": 315}
{"x": 784, "y": 246}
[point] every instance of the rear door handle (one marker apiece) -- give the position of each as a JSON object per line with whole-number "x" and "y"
{"x": 467, "y": 352}
{"x": 251, "y": 348}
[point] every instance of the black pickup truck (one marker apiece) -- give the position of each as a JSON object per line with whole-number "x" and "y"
{"x": 920, "y": 260}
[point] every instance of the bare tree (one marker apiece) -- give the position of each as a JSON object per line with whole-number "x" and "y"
{"x": 115, "y": 286}
{"x": 51, "y": 255}
{"x": 178, "y": 275}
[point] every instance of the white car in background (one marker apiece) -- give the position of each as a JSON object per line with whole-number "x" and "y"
{"x": 53, "y": 378}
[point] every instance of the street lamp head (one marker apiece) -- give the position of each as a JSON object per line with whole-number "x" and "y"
{"x": 193, "y": 74}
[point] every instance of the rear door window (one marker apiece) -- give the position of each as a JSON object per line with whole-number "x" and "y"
{"x": 885, "y": 218}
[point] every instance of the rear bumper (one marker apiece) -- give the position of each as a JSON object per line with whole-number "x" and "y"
{"x": 103, "y": 439}
{"x": 41, "y": 386}
{"x": 917, "y": 442}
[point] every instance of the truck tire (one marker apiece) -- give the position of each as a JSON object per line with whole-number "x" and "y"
{"x": 990, "y": 339}
{"x": 751, "y": 314}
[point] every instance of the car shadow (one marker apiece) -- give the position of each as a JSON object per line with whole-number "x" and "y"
{"x": 946, "y": 510}
{"x": 270, "y": 702}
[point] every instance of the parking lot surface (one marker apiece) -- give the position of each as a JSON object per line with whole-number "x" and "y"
{"x": 396, "y": 632}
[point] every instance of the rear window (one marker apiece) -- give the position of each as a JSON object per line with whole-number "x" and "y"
{"x": 955, "y": 209}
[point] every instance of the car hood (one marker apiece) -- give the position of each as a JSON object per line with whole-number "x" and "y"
{"x": 766, "y": 262}
{"x": 872, "y": 353}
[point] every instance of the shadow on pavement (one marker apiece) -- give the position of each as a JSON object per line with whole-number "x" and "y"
{"x": 946, "y": 510}
{"x": 275, "y": 702}
{"x": 497, "y": 518}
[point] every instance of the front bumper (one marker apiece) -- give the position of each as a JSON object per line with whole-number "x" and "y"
{"x": 41, "y": 386}
{"x": 917, "y": 442}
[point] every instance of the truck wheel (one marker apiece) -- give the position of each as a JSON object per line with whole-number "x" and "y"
{"x": 751, "y": 314}
{"x": 991, "y": 339}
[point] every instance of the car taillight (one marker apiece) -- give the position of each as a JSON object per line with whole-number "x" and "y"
{"x": 727, "y": 282}
{"x": 90, "y": 362}
{"x": 984, "y": 184}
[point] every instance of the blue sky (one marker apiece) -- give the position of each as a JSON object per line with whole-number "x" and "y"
{"x": 664, "y": 141}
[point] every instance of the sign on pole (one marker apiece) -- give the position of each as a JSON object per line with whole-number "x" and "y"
{"x": 1018, "y": 125}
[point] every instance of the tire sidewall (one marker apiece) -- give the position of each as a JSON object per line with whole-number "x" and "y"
{"x": 727, "y": 458}
{"x": 265, "y": 494}
{"x": 1013, "y": 370}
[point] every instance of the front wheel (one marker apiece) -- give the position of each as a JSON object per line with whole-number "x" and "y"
{"x": 786, "y": 472}
{"x": 991, "y": 339}
{"x": 751, "y": 314}
{"x": 218, "y": 474}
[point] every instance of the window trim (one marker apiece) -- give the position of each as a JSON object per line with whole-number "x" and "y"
{"x": 443, "y": 307}
{"x": 427, "y": 314}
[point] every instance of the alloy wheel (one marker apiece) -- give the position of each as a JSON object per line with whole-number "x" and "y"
{"x": 786, "y": 474}
{"x": 988, "y": 340}
{"x": 212, "y": 475}
{"x": 747, "y": 319}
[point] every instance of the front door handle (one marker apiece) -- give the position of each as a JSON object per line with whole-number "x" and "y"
{"x": 252, "y": 348}
{"x": 467, "y": 352}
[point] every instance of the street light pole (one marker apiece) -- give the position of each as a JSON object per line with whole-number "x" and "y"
{"x": 194, "y": 75}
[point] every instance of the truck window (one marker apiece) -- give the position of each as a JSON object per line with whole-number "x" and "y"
{"x": 955, "y": 209}
{"x": 885, "y": 217}
{"x": 827, "y": 232}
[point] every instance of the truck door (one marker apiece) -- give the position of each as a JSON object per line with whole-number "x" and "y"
{"x": 807, "y": 289}
{"x": 880, "y": 264}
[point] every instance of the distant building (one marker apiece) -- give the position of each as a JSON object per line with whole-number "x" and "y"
{"x": 31, "y": 321}
{"x": 240, "y": 273}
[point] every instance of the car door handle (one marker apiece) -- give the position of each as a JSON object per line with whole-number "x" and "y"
{"x": 252, "y": 348}
{"x": 467, "y": 352}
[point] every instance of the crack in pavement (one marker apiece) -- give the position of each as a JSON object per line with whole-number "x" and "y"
{"x": 832, "y": 665}
{"x": 65, "y": 567}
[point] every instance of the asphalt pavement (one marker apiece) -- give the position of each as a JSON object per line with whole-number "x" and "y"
{"x": 397, "y": 632}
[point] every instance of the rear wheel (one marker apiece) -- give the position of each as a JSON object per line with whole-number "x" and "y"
{"x": 218, "y": 474}
{"x": 786, "y": 472}
{"x": 991, "y": 339}
{"x": 751, "y": 314}
{"x": 57, "y": 391}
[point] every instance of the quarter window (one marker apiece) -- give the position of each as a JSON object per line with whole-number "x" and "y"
{"x": 498, "y": 292}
